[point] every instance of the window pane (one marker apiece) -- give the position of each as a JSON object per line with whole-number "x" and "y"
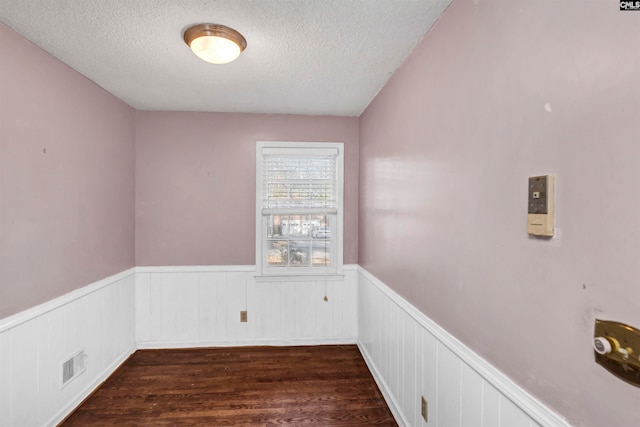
{"x": 306, "y": 225}
{"x": 321, "y": 253}
{"x": 277, "y": 253}
{"x": 277, "y": 225}
{"x": 299, "y": 225}
{"x": 320, "y": 227}
{"x": 299, "y": 253}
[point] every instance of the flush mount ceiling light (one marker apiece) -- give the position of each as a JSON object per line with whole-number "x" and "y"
{"x": 214, "y": 43}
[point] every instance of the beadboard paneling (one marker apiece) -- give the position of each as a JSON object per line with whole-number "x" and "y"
{"x": 410, "y": 356}
{"x": 200, "y": 307}
{"x": 98, "y": 318}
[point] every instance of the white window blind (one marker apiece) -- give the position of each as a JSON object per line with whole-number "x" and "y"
{"x": 305, "y": 182}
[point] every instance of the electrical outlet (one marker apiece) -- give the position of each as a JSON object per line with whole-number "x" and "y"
{"x": 243, "y": 316}
{"x": 425, "y": 410}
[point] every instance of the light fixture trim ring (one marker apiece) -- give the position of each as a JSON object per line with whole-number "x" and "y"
{"x": 214, "y": 30}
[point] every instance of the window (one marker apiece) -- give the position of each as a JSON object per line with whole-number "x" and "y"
{"x": 299, "y": 200}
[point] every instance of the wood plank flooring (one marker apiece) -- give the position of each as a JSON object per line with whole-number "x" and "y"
{"x": 239, "y": 386}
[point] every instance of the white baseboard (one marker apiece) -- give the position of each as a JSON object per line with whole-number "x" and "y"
{"x": 253, "y": 343}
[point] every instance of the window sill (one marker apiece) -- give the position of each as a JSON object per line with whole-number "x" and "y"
{"x": 332, "y": 277}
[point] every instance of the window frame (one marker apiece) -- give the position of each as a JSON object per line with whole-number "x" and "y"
{"x": 263, "y": 272}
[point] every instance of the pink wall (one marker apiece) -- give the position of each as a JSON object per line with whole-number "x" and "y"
{"x": 499, "y": 91}
{"x": 66, "y": 178}
{"x": 195, "y": 182}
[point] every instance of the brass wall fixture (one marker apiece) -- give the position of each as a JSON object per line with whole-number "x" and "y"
{"x": 617, "y": 349}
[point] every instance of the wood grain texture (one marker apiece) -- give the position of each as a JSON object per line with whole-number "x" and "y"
{"x": 238, "y": 386}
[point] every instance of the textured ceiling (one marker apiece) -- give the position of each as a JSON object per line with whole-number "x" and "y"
{"x": 303, "y": 56}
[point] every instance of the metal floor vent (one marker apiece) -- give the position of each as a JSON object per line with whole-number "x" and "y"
{"x": 73, "y": 366}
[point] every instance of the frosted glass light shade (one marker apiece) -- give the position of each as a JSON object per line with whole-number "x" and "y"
{"x": 216, "y": 50}
{"x": 213, "y": 43}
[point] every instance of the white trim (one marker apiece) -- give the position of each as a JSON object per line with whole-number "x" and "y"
{"x": 530, "y": 405}
{"x": 310, "y": 148}
{"x": 329, "y": 277}
{"x": 383, "y": 386}
{"x": 31, "y": 313}
{"x": 301, "y": 211}
{"x": 144, "y": 345}
{"x": 196, "y": 269}
{"x": 217, "y": 269}
{"x": 90, "y": 388}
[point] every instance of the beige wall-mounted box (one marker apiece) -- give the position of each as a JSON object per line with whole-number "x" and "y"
{"x": 541, "y": 205}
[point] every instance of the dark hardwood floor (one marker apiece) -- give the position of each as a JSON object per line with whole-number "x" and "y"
{"x": 239, "y": 386}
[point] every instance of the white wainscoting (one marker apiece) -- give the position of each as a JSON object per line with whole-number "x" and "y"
{"x": 410, "y": 356}
{"x": 164, "y": 307}
{"x": 98, "y": 319}
{"x": 200, "y": 307}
